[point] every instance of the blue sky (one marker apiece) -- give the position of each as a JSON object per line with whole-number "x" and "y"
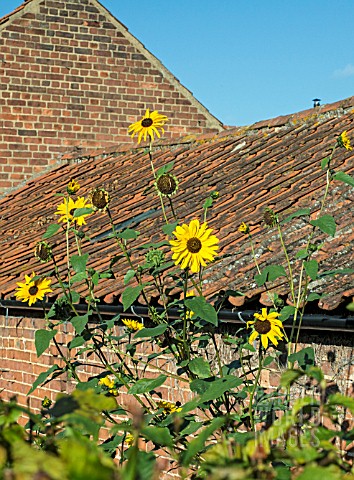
{"x": 247, "y": 60}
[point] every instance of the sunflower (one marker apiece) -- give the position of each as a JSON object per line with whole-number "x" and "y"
{"x": 132, "y": 325}
{"x": 169, "y": 407}
{"x": 267, "y": 326}
{"x": 72, "y": 187}
{"x": 100, "y": 199}
{"x": 166, "y": 184}
{"x": 67, "y": 210}
{"x": 109, "y": 385}
{"x": 344, "y": 141}
{"x": 194, "y": 245}
{"x": 32, "y": 290}
{"x": 244, "y": 228}
{"x": 149, "y": 124}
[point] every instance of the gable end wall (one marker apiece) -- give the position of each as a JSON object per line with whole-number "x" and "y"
{"x": 73, "y": 77}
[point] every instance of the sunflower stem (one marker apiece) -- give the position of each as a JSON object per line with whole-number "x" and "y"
{"x": 259, "y": 371}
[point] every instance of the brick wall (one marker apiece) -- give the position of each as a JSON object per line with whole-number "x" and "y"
{"x": 72, "y": 77}
{"x": 20, "y": 367}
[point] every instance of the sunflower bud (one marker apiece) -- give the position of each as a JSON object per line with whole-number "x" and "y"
{"x": 166, "y": 184}
{"x": 43, "y": 252}
{"x": 155, "y": 257}
{"x": 46, "y": 402}
{"x": 244, "y": 228}
{"x": 100, "y": 199}
{"x": 72, "y": 187}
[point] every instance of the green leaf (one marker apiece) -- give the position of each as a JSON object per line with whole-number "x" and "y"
{"x": 128, "y": 234}
{"x": 208, "y": 203}
{"x": 158, "y": 435}
{"x": 302, "y": 212}
{"x": 269, "y": 274}
{"x": 313, "y": 296}
{"x": 151, "y": 332}
{"x": 42, "y": 377}
{"x": 342, "y": 400}
{"x": 202, "y": 309}
{"x": 303, "y": 253}
{"x": 311, "y": 268}
{"x": 337, "y": 271}
{"x": 75, "y": 296}
{"x": 344, "y": 177}
{"x": 196, "y": 445}
{"x": 305, "y": 357}
{"x": 51, "y": 230}
{"x": 79, "y": 322}
{"x": 268, "y": 360}
{"x": 289, "y": 377}
{"x": 129, "y": 296}
{"x": 200, "y": 367}
{"x": 42, "y": 340}
{"x": 324, "y": 163}
{"x": 128, "y": 276}
{"x": 76, "y": 342}
{"x": 286, "y": 312}
{"x": 78, "y": 262}
{"x": 317, "y": 472}
{"x": 165, "y": 168}
{"x": 146, "y": 385}
{"x": 79, "y": 212}
{"x": 326, "y": 224}
{"x": 78, "y": 277}
{"x": 169, "y": 228}
{"x": 215, "y": 389}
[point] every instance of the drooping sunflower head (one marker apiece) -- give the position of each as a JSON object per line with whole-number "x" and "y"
{"x": 149, "y": 125}
{"x": 344, "y": 141}
{"x": 67, "y": 209}
{"x": 100, "y": 199}
{"x": 32, "y": 289}
{"x": 166, "y": 184}
{"x": 43, "y": 252}
{"x": 132, "y": 325}
{"x": 244, "y": 228}
{"x": 72, "y": 187}
{"x": 268, "y": 326}
{"x": 194, "y": 246}
{"x": 269, "y": 217}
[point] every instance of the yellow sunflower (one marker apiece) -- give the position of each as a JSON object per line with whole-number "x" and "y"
{"x": 244, "y": 228}
{"x": 132, "y": 325}
{"x": 267, "y": 326}
{"x": 72, "y": 187}
{"x": 67, "y": 208}
{"x": 109, "y": 384}
{"x": 148, "y": 125}
{"x": 32, "y": 290}
{"x": 194, "y": 245}
{"x": 344, "y": 141}
{"x": 169, "y": 407}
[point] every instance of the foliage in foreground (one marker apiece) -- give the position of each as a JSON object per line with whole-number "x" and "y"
{"x": 232, "y": 428}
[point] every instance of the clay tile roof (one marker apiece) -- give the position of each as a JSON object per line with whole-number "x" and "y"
{"x": 273, "y": 164}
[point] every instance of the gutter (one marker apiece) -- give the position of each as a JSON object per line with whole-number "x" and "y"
{"x": 318, "y": 322}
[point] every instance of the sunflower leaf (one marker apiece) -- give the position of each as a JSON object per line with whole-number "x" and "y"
{"x": 129, "y": 296}
{"x": 79, "y": 322}
{"x": 78, "y": 262}
{"x": 165, "y": 168}
{"x": 326, "y": 224}
{"x": 202, "y": 309}
{"x": 344, "y": 177}
{"x": 128, "y": 234}
{"x": 42, "y": 340}
{"x": 311, "y": 268}
{"x": 79, "y": 212}
{"x": 145, "y": 385}
{"x": 169, "y": 228}
{"x": 52, "y": 230}
{"x": 42, "y": 377}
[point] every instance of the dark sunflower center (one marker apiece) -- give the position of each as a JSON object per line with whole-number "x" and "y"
{"x": 194, "y": 245}
{"x": 166, "y": 184}
{"x": 72, "y": 212}
{"x": 147, "y": 122}
{"x": 33, "y": 290}
{"x": 262, "y": 326}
